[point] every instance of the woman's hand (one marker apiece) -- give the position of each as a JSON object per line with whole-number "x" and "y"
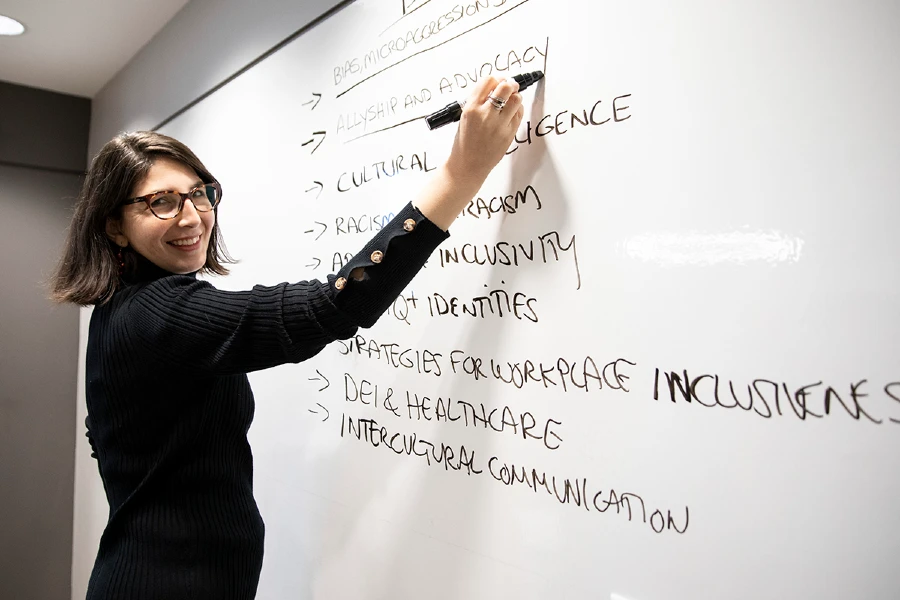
{"x": 484, "y": 135}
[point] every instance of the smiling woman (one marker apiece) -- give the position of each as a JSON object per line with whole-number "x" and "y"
{"x": 169, "y": 403}
{"x": 120, "y": 232}
{"x": 168, "y": 227}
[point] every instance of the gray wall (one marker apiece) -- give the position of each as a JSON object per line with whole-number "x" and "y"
{"x": 43, "y": 139}
{"x": 43, "y": 129}
{"x": 176, "y": 68}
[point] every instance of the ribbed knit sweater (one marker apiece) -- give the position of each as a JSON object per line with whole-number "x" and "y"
{"x": 169, "y": 407}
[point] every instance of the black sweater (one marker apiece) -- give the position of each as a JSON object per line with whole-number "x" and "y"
{"x": 169, "y": 406}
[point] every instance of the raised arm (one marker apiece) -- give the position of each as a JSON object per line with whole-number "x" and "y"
{"x": 184, "y": 322}
{"x": 483, "y": 137}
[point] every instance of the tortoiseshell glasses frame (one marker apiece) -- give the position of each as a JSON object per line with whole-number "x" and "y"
{"x": 168, "y": 204}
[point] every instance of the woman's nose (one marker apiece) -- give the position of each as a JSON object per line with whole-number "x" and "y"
{"x": 189, "y": 215}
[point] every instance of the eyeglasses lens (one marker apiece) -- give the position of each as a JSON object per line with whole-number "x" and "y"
{"x": 204, "y": 199}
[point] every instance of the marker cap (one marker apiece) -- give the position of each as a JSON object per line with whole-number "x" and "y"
{"x": 448, "y": 114}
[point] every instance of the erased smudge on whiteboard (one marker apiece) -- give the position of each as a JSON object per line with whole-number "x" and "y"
{"x": 701, "y": 249}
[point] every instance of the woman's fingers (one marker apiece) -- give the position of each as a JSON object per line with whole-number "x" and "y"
{"x": 481, "y": 91}
{"x": 491, "y": 94}
{"x": 499, "y": 95}
{"x": 517, "y": 116}
{"x": 503, "y": 93}
{"x": 511, "y": 109}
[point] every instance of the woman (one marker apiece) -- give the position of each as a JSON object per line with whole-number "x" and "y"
{"x": 168, "y": 398}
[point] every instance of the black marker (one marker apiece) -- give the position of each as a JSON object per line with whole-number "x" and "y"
{"x": 453, "y": 111}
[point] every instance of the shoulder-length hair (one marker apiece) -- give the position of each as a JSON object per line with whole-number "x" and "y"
{"x": 89, "y": 271}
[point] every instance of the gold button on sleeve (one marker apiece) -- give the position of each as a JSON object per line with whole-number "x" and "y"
{"x": 339, "y": 283}
{"x": 409, "y": 225}
{"x": 377, "y": 256}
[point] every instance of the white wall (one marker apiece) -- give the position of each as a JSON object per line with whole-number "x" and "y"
{"x": 733, "y": 141}
{"x": 738, "y": 223}
{"x": 207, "y": 42}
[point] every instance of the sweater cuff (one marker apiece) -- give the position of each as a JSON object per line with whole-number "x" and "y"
{"x": 366, "y": 286}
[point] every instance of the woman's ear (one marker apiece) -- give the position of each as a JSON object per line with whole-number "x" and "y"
{"x": 114, "y": 232}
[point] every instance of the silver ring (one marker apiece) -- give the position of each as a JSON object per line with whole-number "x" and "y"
{"x": 496, "y": 102}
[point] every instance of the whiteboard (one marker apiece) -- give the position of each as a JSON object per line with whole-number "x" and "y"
{"x": 658, "y": 357}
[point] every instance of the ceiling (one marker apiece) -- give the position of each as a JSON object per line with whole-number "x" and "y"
{"x": 77, "y": 46}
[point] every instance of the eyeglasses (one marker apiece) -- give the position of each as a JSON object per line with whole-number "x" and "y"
{"x": 167, "y": 205}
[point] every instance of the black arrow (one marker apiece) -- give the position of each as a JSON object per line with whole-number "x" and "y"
{"x": 324, "y": 229}
{"x": 317, "y": 98}
{"x": 316, "y": 264}
{"x": 319, "y": 378}
{"x": 315, "y": 412}
{"x": 315, "y": 133}
{"x": 319, "y": 185}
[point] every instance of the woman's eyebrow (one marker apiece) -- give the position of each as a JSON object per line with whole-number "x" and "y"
{"x": 194, "y": 186}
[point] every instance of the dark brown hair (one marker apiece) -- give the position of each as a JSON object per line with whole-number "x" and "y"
{"x": 89, "y": 271}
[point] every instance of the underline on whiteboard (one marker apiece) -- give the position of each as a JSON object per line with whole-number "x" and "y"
{"x": 429, "y": 49}
{"x": 404, "y": 16}
{"x": 385, "y": 128}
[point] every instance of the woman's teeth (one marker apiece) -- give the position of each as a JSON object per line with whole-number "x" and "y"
{"x": 188, "y": 242}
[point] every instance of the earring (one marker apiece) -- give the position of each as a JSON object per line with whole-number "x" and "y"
{"x": 121, "y": 262}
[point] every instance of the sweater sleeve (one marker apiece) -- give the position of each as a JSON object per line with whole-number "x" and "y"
{"x": 182, "y": 323}
{"x": 367, "y": 285}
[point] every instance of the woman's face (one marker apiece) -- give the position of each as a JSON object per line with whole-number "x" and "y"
{"x": 177, "y": 245}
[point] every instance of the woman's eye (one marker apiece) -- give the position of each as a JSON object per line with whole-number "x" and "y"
{"x": 162, "y": 201}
